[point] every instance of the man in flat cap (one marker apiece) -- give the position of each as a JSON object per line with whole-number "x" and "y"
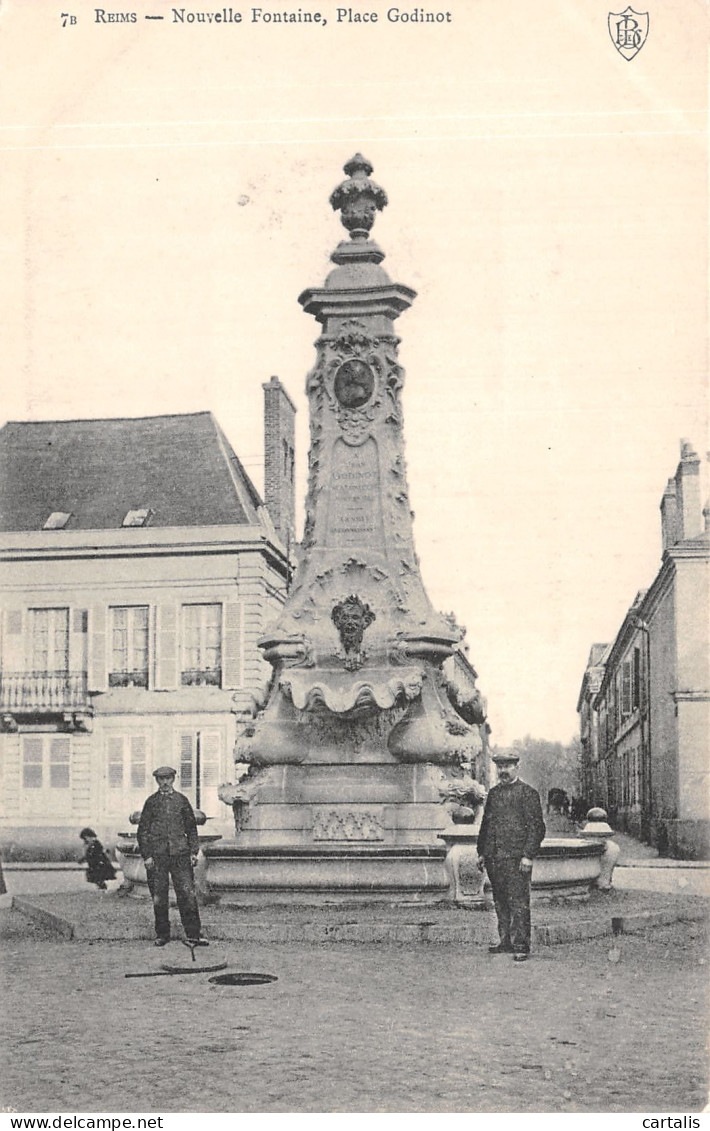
{"x": 167, "y": 841}
{"x": 509, "y": 838}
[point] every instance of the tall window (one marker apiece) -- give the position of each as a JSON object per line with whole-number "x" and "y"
{"x": 202, "y": 645}
{"x": 46, "y": 762}
{"x": 626, "y": 688}
{"x": 49, "y": 640}
{"x": 126, "y": 761}
{"x": 126, "y": 772}
{"x": 129, "y": 646}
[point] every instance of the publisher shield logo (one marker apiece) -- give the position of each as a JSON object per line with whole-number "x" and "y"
{"x": 628, "y": 31}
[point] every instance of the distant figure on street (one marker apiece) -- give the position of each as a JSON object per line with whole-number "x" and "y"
{"x": 578, "y": 808}
{"x": 509, "y": 838}
{"x": 99, "y": 868}
{"x": 558, "y": 801}
{"x": 167, "y": 841}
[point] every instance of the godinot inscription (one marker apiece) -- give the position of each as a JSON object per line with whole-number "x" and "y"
{"x": 354, "y": 505}
{"x": 348, "y": 824}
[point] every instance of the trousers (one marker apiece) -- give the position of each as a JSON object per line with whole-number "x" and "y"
{"x": 179, "y": 869}
{"x": 511, "y": 895}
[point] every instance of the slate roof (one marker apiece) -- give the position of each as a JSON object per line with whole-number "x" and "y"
{"x": 181, "y": 467}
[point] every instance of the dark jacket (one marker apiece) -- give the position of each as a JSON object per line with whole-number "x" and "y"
{"x": 512, "y": 822}
{"x": 98, "y": 866}
{"x": 167, "y": 826}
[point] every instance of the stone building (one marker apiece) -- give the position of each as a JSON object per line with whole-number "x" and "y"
{"x": 645, "y": 701}
{"x": 139, "y": 569}
{"x": 593, "y": 767}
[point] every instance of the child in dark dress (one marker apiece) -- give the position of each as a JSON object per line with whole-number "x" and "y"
{"x": 99, "y": 868}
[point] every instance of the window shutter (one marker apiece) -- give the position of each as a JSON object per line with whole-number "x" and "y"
{"x": 232, "y": 650}
{"x": 115, "y": 761}
{"x": 210, "y": 748}
{"x": 166, "y": 647}
{"x": 97, "y": 665}
{"x": 637, "y": 679}
{"x": 626, "y": 688}
{"x": 59, "y": 763}
{"x": 77, "y": 640}
{"x": 32, "y": 769}
{"x": 138, "y": 760}
{"x": 187, "y": 775}
{"x": 13, "y": 640}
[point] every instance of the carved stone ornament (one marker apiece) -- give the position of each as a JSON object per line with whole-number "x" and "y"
{"x": 358, "y": 199}
{"x": 351, "y": 617}
{"x": 354, "y": 383}
{"x": 329, "y": 824}
{"x": 381, "y": 689}
{"x": 351, "y": 373}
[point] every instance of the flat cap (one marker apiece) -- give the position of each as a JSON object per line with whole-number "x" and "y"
{"x": 503, "y": 757}
{"x": 164, "y": 772}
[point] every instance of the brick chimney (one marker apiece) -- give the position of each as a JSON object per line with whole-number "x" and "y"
{"x": 687, "y": 491}
{"x": 279, "y": 458}
{"x": 669, "y": 516}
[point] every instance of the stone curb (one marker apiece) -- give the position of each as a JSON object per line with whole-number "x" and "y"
{"x": 44, "y": 918}
{"x": 615, "y": 925}
{"x": 639, "y": 920}
{"x": 662, "y": 862}
{"x": 472, "y": 932}
{"x": 41, "y": 866}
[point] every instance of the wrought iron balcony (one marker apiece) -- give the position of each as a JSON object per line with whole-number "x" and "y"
{"x": 128, "y": 679}
{"x": 43, "y": 692}
{"x": 202, "y": 677}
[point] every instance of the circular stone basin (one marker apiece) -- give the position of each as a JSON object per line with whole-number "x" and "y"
{"x": 566, "y": 866}
{"x": 131, "y": 862}
{"x": 243, "y": 979}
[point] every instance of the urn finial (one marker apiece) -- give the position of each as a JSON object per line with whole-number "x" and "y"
{"x": 358, "y": 198}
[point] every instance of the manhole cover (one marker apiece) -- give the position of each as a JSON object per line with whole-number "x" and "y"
{"x": 243, "y": 979}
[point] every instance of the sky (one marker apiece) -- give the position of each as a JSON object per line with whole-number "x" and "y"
{"x": 164, "y": 201}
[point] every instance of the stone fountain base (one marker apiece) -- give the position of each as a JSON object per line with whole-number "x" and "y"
{"x": 328, "y": 873}
{"x": 315, "y": 874}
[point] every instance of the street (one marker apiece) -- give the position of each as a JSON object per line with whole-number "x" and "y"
{"x": 602, "y": 1025}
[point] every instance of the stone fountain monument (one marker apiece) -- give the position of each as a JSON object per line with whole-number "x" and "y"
{"x": 356, "y": 765}
{"x": 359, "y": 736}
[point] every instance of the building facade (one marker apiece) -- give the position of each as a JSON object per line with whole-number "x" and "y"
{"x": 593, "y": 772}
{"x": 139, "y": 569}
{"x": 645, "y": 701}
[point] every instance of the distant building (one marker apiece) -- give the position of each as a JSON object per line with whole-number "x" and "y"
{"x": 644, "y": 704}
{"x": 593, "y": 768}
{"x": 139, "y": 569}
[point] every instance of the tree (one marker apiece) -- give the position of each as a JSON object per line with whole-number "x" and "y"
{"x": 549, "y": 765}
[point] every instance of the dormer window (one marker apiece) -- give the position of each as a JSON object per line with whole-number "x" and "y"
{"x": 138, "y": 517}
{"x": 57, "y": 520}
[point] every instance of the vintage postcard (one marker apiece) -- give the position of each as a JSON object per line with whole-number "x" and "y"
{"x": 459, "y": 252}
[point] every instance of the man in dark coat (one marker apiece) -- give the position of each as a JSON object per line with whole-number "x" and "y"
{"x": 168, "y": 843}
{"x": 509, "y": 838}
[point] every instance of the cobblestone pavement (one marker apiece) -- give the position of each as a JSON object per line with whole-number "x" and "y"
{"x": 605, "y": 1025}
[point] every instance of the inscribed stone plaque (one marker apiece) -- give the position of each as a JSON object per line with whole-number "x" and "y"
{"x": 354, "y": 505}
